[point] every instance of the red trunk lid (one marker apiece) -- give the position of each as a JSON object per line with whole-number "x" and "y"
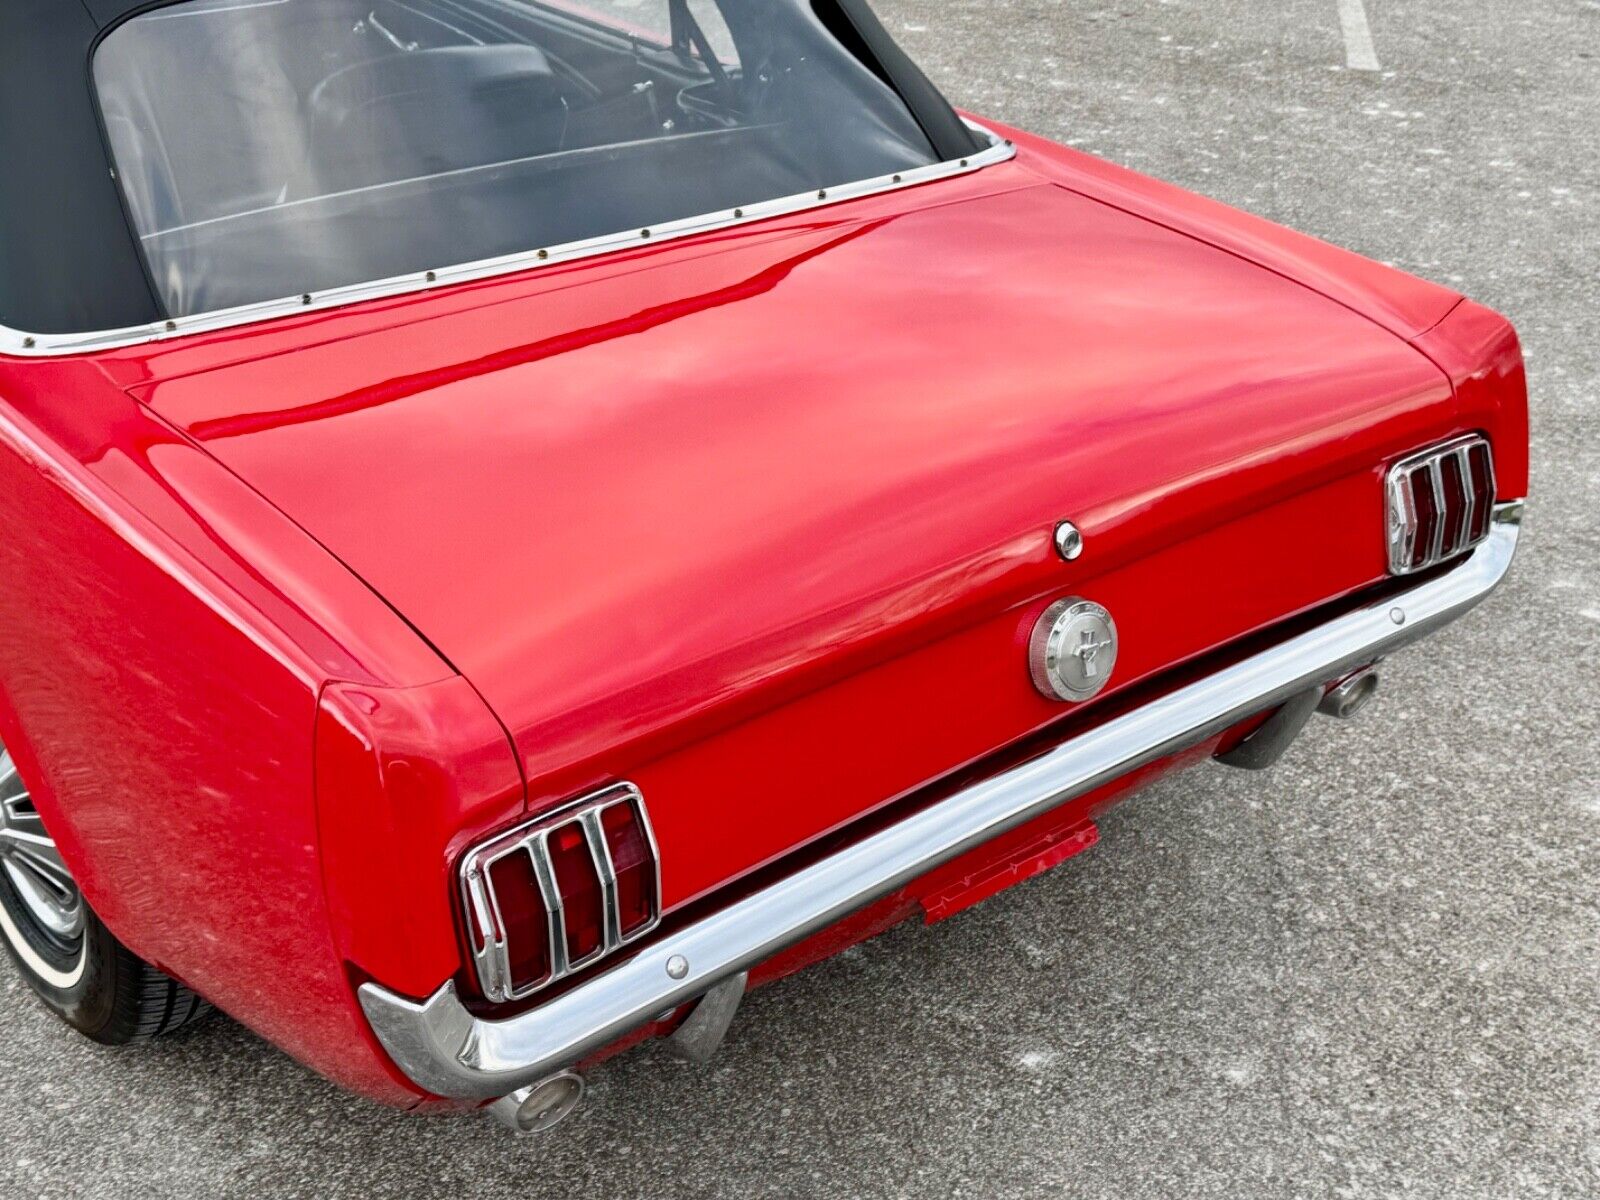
{"x": 794, "y": 485}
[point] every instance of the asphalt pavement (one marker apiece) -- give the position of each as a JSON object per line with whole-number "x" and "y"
{"x": 1373, "y": 972}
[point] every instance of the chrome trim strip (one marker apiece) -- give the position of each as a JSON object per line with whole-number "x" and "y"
{"x": 1402, "y": 520}
{"x": 1469, "y": 519}
{"x": 1441, "y": 507}
{"x": 484, "y": 911}
{"x": 21, "y": 344}
{"x": 606, "y": 870}
{"x": 447, "y": 1051}
{"x": 538, "y": 849}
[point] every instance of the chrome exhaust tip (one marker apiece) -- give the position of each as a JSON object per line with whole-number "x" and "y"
{"x": 1349, "y": 696}
{"x": 542, "y": 1106}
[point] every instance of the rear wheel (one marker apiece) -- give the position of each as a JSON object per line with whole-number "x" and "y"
{"x": 71, "y": 960}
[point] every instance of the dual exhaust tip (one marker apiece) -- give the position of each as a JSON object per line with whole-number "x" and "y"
{"x": 542, "y": 1106}
{"x": 1263, "y": 748}
{"x": 1349, "y": 696}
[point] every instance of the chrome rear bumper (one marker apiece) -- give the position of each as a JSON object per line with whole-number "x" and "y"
{"x": 449, "y": 1052}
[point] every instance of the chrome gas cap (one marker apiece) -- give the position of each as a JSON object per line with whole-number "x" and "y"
{"x": 1073, "y": 650}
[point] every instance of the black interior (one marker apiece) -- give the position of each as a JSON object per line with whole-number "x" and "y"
{"x": 377, "y": 120}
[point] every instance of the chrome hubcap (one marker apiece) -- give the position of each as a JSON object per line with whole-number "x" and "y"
{"x": 31, "y": 863}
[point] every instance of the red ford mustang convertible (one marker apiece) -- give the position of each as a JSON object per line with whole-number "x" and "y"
{"x": 527, "y": 518}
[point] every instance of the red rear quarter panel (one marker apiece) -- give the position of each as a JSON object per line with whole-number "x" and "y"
{"x": 164, "y": 634}
{"x": 1479, "y": 351}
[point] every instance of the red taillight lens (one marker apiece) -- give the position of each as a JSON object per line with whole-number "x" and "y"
{"x": 582, "y": 901}
{"x": 1482, "y": 466}
{"x": 634, "y": 864}
{"x": 525, "y": 922}
{"x": 1457, "y": 508}
{"x": 1426, "y": 506}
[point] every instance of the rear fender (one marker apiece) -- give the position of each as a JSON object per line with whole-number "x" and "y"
{"x": 1478, "y": 350}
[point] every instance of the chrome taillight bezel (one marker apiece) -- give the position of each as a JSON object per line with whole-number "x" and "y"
{"x": 1426, "y": 469}
{"x": 487, "y": 936}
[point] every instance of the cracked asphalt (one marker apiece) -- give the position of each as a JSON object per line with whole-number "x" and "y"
{"x": 1374, "y": 971}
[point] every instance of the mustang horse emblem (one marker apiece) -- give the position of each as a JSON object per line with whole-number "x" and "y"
{"x": 1088, "y": 649}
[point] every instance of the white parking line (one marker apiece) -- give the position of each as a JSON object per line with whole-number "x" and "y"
{"x": 1360, "y": 54}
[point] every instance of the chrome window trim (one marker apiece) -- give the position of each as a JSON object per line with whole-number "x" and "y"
{"x": 21, "y": 344}
{"x": 481, "y": 904}
{"x": 446, "y": 1050}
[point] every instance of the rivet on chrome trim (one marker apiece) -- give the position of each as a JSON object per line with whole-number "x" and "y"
{"x": 677, "y": 966}
{"x": 1397, "y": 615}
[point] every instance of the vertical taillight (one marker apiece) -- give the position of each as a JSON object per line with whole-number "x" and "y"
{"x": 583, "y": 906}
{"x": 1457, "y": 493}
{"x": 1480, "y": 462}
{"x": 523, "y": 919}
{"x": 634, "y": 864}
{"x": 1425, "y": 500}
{"x": 1441, "y": 504}
{"x": 561, "y": 892}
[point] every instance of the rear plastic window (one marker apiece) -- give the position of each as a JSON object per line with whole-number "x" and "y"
{"x": 269, "y": 148}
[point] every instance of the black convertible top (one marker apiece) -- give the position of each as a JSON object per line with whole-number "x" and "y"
{"x": 108, "y": 12}
{"x": 69, "y": 261}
